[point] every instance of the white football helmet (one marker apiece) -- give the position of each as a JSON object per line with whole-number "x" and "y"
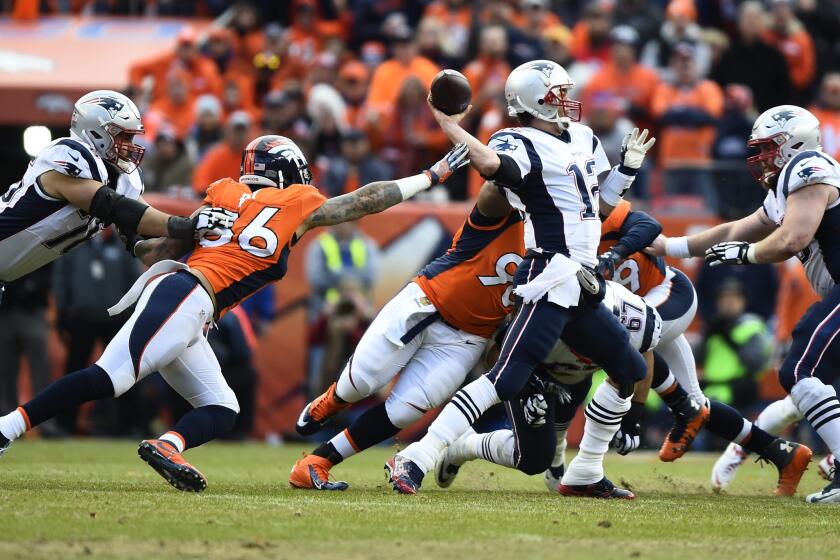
{"x": 778, "y": 135}
{"x": 540, "y": 88}
{"x": 108, "y": 120}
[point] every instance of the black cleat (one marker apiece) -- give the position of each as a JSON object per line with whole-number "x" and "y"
{"x": 165, "y": 459}
{"x": 602, "y": 489}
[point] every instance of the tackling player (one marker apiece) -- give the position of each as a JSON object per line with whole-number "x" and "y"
{"x": 802, "y": 206}
{"x": 434, "y": 330}
{"x": 548, "y": 169}
{"x": 81, "y": 183}
{"x": 274, "y": 205}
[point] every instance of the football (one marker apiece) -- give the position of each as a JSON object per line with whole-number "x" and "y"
{"x": 451, "y": 92}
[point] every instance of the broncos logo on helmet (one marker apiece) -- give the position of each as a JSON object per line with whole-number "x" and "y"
{"x": 274, "y": 161}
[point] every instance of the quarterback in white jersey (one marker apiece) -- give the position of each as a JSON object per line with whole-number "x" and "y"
{"x": 80, "y": 183}
{"x": 802, "y": 206}
{"x": 548, "y": 170}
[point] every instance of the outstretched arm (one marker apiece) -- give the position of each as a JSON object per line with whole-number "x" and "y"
{"x": 483, "y": 159}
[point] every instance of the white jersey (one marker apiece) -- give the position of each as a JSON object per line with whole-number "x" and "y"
{"x": 822, "y": 256}
{"x": 558, "y": 191}
{"x": 35, "y": 228}
{"x": 643, "y": 324}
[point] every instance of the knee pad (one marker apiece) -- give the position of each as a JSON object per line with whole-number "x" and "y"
{"x": 122, "y": 377}
{"x": 354, "y": 384}
{"x": 401, "y": 414}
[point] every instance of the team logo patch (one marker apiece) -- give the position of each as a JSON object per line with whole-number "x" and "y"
{"x": 109, "y": 104}
{"x": 505, "y": 145}
{"x": 543, "y": 67}
{"x": 808, "y": 171}
{"x": 71, "y": 169}
{"x": 783, "y": 116}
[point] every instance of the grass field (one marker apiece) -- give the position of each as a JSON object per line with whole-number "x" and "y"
{"x": 96, "y": 499}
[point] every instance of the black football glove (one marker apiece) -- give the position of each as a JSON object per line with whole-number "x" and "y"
{"x": 728, "y": 252}
{"x": 629, "y": 436}
{"x": 607, "y": 263}
{"x": 593, "y": 287}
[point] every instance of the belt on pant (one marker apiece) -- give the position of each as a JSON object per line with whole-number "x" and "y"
{"x": 423, "y": 324}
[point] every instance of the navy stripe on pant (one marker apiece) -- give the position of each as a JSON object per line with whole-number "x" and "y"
{"x": 815, "y": 350}
{"x": 164, "y": 301}
{"x": 680, "y": 300}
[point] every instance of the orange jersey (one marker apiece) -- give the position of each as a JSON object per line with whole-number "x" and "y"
{"x": 639, "y": 272}
{"x": 471, "y": 284}
{"x": 254, "y": 252}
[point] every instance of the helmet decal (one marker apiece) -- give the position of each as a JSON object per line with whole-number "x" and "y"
{"x": 784, "y": 116}
{"x": 108, "y": 103}
{"x": 543, "y": 67}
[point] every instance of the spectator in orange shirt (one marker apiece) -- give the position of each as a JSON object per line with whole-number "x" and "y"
{"x": 591, "y": 35}
{"x": 207, "y": 129}
{"x": 489, "y": 71}
{"x": 176, "y": 106}
{"x": 390, "y": 76}
{"x": 827, "y": 110}
{"x": 303, "y": 37}
{"x": 625, "y": 78}
{"x": 456, "y": 18}
{"x": 352, "y": 84}
{"x": 204, "y": 77}
{"x": 221, "y": 49}
{"x": 787, "y": 34}
{"x": 687, "y": 111}
{"x": 223, "y": 159}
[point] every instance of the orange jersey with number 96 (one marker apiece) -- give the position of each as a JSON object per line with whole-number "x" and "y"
{"x": 254, "y": 252}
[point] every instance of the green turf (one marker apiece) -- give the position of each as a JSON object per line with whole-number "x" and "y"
{"x": 95, "y": 499}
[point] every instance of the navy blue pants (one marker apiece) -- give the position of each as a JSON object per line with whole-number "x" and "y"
{"x": 815, "y": 350}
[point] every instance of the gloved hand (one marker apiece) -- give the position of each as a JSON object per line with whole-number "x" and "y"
{"x": 593, "y": 287}
{"x": 455, "y": 159}
{"x": 535, "y": 408}
{"x": 212, "y": 221}
{"x": 728, "y": 252}
{"x": 628, "y": 437}
{"x": 634, "y": 147}
{"x": 607, "y": 263}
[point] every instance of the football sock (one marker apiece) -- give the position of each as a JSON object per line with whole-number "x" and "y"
{"x": 603, "y": 419}
{"x": 203, "y": 424}
{"x": 465, "y": 448}
{"x": 176, "y": 439}
{"x": 372, "y": 427}
{"x": 496, "y": 447}
{"x": 560, "y": 451}
{"x": 778, "y": 415}
{"x": 728, "y": 423}
{"x": 819, "y": 404}
{"x": 64, "y": 394}
{"x": 456, "y": 417}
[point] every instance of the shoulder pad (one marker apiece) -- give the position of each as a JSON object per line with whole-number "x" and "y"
{"x": 72, "y": 158}
{"x": 809, "y": 168}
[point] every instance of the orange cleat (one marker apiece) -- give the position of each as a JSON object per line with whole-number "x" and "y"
{"x": 794, "y": 468}
{"x": 165, "y": 459}
{"x": 313, "y": 472}
{"x": 682, "y": 434}
{"x": 316, "y": 413}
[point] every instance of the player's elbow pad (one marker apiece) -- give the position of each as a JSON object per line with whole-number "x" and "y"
{"x": 508, "y": 173}
{"x": 114, "y": 208}
{"x": 616, "y": 184}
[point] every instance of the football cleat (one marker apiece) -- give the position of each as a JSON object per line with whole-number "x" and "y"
{"x": 790, "y": 473}
{"x": 404, "y": 474}
{"x": 315, "y": 414}
{"x": 603, "y": 489}
{"x": 682, "y": 434}
{"x": 165, "y": 459}
{"x": 5, "y": 444}
{"x": 313, "y": 472}
{"x": 445, "y": 469}
{"x": 828, "y": 495}
{"x": 827, "y": 467}
{"x": 726, "y": 467}
{"x": 553, "y": 476}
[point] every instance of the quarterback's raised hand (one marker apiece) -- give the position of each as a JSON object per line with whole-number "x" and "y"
{"x": 729, "y": 252}
{"x": 455, "y": 159}
{"x": 634, "y": 147}
{"x": 212, "y": 221}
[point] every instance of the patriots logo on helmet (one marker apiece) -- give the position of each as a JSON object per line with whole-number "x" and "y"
{"x": 808, "y": 171}
{"x": 543, "y": 67}
{"x": 783, "y": 116}
{"x": 108, "y": 103}
{"x": 71, "y": 169}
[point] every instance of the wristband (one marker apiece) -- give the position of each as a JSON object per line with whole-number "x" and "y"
{"x": 615, "y": 185}
{"x": 409, "y": 186}
{"x": 677, "y": 247}
{"x": 751, "y": 254}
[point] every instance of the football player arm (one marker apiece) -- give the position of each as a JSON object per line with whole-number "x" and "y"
{"x": 483, "y": 159}
{"x": 637, "y": 232}
{"x": 491, "y": 202}
{"x": 130, "y": 216}
{"x": 805, "y": 209}
{"x": 150, "y": 251}
{"x": 753, "y": 227}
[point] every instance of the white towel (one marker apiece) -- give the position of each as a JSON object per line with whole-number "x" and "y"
{"x": 558, "y": 280}
{"x": 133, "y": 294}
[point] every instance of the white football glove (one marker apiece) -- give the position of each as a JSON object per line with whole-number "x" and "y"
{"x": 625, "y": 442}
{"x": 634, "y": 147}
{"x": 213, "y": 221}
{"x": 536, "y": 408}
{"x": 729, "y": 252}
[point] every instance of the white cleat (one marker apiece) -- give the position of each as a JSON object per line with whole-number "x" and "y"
{"x": 828, "y": 495}
{"x": 726, "y": 467}
{"x": 451, "y": 459}
{"x": 826, "y": 467}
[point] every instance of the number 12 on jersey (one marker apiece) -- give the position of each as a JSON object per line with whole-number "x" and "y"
{"x": 587, "y": 197}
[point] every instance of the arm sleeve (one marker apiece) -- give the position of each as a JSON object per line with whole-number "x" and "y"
{"x": 637, "y": 232}
{"x": 508, "y": 174}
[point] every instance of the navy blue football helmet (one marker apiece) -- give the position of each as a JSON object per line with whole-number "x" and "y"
{"x": 273, "y": 161}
